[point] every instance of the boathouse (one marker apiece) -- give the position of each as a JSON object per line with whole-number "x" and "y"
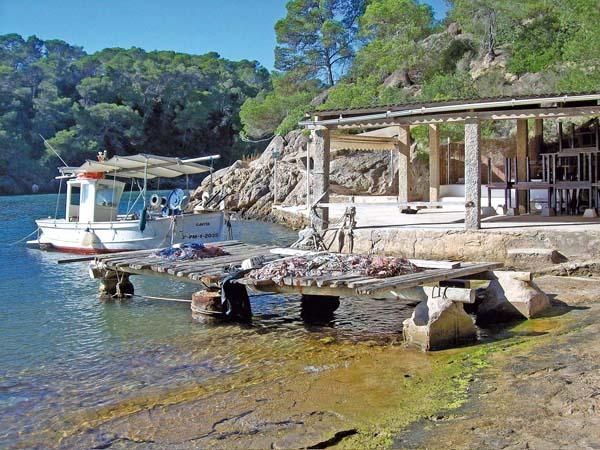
{"x": 567, "y": 175}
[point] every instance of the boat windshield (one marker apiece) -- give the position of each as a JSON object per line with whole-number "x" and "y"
{"x": 105, "y": 197}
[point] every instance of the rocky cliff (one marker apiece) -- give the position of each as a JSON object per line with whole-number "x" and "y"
{"x": 249, "y": 187}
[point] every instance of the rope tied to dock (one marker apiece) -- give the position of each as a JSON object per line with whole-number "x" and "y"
{"x": 25, "y": 238}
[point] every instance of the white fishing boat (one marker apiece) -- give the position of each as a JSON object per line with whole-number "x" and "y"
{"x": 92, "y": 223}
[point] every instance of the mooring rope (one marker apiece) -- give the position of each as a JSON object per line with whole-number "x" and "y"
{"x": 183, "y": 300}
{"x": 167, "y": 299}
{"x": 26, "y": 237}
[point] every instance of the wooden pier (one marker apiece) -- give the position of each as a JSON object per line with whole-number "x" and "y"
{"x": 207, "y": 271}
{"x": 402, "y": 286}
{"x": 210, "y": 272}
{"x": 441, "y": 287}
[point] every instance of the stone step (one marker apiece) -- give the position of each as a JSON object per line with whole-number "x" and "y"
{"x": 534, "y": 256}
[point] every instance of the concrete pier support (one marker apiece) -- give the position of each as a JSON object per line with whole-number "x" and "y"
{"x": 115, "y": 285}
{"x": 317, "y": 308}
{"x": 472, "y": 174}
{"x": 439, "y": 323}
{"x": 320, "y": 150}
{"x": 404, "y": 181}
{"x": 434, "y": 163}
{"x": 511, "y": 296}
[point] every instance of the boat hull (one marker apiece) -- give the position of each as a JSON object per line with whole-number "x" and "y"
{"x": 126, "y": 235}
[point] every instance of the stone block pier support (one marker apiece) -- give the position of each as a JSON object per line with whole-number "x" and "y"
{"x": 511, "y": 296}
{"x": 438, "y": 323}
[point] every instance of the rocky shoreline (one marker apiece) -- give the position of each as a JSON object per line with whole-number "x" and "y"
{"x": 530, "y": 384}
{"x": 249, "y": 187}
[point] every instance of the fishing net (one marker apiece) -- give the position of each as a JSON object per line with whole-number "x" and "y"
{"x": 333, "y": 264}
{"x": 194, "y": 250}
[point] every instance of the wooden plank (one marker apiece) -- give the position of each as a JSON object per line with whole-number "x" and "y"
{"x": 211, "y": 262}
{"x": 76, "y": 260}
{"x": 431, "y": 264}
{"x": 186, "y": 272}
{"x": 257, "y": 283}
{"x": 408, "y": 281}
{"x": 356, "y": 283}
{"x": 342, "y": 280}
{"x": 118, "y": 255}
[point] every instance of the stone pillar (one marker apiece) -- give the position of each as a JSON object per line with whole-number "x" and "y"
{"x": 434, "y": 163}
{"x": 404, "y": 181}
{"x": 511, "y": 296}
{"x": 472, "y": 174}
{"x": 522, "y": 138}
{"x": 319, "y": 150}
{"x": 439, "y": 323}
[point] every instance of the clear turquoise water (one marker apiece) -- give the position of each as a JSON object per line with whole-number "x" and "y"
{"x": 64, "y": 353}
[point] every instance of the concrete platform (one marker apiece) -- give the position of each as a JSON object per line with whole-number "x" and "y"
{"x": 438, "y": 233}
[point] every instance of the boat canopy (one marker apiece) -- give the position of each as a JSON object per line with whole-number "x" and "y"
{"x": 141, "y": 166}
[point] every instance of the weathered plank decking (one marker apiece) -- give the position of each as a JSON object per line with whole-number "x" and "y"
{"x": 145, "y": 262}
{"x": 365, "y": 286}
{"x": 212, "y": 270}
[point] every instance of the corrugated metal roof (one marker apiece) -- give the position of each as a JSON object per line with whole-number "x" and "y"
{"x": 428, "y": 104}
{"x": 441, "y": 109}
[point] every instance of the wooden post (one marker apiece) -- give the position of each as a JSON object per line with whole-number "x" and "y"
{"x": 320, "y": 141}
{"x": 403, "y": 163}
{"x": 434, "y": 163}
{"x": 472, "y": 174}
{"x": 522, "y": 139}
{"x": 538, "y": 140}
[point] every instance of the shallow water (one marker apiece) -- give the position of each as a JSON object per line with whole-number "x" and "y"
{"x": 65, "y": 356}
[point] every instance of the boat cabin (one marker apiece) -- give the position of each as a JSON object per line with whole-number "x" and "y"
{"x": 93, "y": 199}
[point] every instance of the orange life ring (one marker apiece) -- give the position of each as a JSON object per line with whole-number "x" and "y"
{"x": 90, "y": 176}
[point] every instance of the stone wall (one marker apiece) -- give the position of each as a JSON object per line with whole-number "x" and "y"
{"x": 475, "y": 245}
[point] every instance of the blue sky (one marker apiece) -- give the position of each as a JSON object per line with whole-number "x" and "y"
{"x": 236, "y": 29}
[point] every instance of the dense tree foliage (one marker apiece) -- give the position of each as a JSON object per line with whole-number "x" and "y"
{"x": 400, "y": 53}
{"x": 122, "y": 101}
{"x": 317, "y": 37}
{"x": 329, "y": 54}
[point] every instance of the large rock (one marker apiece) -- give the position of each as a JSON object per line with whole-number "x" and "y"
{"x": 249, "y": 187}
{"x": 439, "y": 323}
{"x": 511, "y": 296}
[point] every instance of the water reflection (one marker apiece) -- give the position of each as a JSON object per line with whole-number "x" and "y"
{"x": 65, "y": 355}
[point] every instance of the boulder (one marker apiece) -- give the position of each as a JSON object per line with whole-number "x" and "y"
{"x": 511, "y": 296}
{"x": 439, "y": 323}
{"x": 453, "y": 29}
{"x": 249, "y": 187}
